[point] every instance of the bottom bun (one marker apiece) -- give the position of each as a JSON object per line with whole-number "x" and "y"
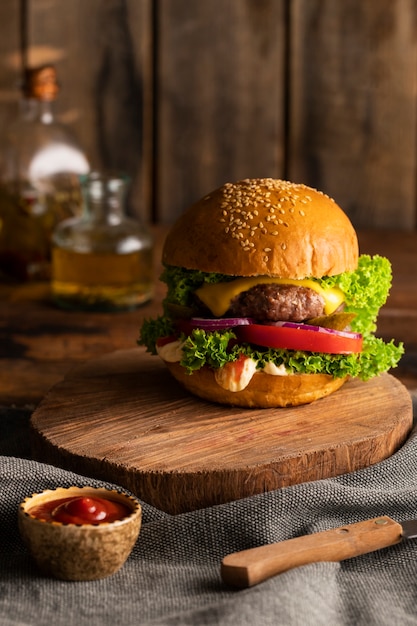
{"x": 264, "y": 390}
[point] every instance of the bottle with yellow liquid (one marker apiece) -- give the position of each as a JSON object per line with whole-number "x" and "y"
{"x": 40, "y": 165}
{"x": 102, "y": 261}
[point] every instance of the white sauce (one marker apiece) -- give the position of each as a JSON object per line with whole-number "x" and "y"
{"x": 170, "y": 352}
{"x": 225, "y": 376}
{"x": 275, "y": 370}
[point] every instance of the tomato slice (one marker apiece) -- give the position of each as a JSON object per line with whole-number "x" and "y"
{"x": 330, "y": 342}
{"x": 163, "y": 341}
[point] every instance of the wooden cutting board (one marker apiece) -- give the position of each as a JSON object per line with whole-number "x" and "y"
{"x": 122, "y": 418}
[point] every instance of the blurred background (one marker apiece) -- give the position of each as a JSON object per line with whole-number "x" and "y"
{"x": 185, "y": 95}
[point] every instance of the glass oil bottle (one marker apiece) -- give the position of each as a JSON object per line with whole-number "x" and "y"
{"x": 41, "y": 162}
{"x": 102, "y": 261}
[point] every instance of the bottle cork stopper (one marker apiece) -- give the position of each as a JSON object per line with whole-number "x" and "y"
{"x": 41, "y": 83}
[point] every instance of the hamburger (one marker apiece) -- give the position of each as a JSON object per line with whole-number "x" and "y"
{"x": 268, "y": 302}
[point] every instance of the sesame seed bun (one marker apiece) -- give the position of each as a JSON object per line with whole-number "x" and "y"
{"x": 264, "y": 391}
{"x": 262, "y": 227}
{"x": 267, "y": 227}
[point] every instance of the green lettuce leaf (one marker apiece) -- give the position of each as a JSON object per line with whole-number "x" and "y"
{"x": 152, "y": 330}
{"x": 183, "y": 283}
{"x": 212, "y": 349}
{"x": 366, "y": 290}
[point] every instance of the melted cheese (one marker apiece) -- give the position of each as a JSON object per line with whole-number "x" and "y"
{"x": 217, "y": 297}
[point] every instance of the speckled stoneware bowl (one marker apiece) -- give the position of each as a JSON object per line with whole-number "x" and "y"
{"x": 87, "y": 551}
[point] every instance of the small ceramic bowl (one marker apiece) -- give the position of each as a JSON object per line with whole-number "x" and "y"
{"x": 79, "y": 551}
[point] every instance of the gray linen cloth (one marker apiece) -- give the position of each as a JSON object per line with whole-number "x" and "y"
{"x": 173, "y": 577}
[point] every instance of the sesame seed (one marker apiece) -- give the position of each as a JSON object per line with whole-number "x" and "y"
{"x": 267, "y": 249}
{"x": 301, "y": 212}
{"x": 284, "y": 246}
{"x": 239, "y": 201}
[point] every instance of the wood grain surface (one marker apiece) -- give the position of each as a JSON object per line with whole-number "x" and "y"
{"x": 351, "y": 77}
{"x": 121, "y": 417}
{"x": 186, "y": 95}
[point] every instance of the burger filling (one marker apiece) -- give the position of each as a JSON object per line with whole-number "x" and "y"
{"x": 219, "y": 296}
{"x": 272, "y": 303}
{"x": 238, "y": 326}
{"x": 233, "y": 376}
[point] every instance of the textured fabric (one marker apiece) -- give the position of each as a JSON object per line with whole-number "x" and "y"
{"x": 173, "y": 577}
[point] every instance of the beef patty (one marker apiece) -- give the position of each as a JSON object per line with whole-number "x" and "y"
{"x": 272, "y": 302}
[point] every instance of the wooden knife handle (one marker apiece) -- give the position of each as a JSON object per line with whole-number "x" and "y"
{"x": 250, "y": 567}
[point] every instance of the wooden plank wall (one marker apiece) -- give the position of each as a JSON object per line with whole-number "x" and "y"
{"x": 185, "y": 95}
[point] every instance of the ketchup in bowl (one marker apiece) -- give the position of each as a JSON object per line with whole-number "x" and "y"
{"x": 80, "y": 510}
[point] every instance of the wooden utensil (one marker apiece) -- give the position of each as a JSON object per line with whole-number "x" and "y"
{"x": 253, "y": 566}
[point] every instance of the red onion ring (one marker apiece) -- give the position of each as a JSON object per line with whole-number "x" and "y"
{"x": 219, "y": 323}
{"x": 222, "y": 323}
{"x": 319, "y": 329}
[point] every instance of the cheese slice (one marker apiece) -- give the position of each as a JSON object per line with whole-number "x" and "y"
{"x": 217, "y": 296}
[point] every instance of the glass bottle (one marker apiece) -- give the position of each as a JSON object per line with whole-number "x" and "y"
{"x": 39, "y": 179}
{"x": 102, "y": 260}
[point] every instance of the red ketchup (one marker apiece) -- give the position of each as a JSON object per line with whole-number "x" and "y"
{"x": 80, "y": 510}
